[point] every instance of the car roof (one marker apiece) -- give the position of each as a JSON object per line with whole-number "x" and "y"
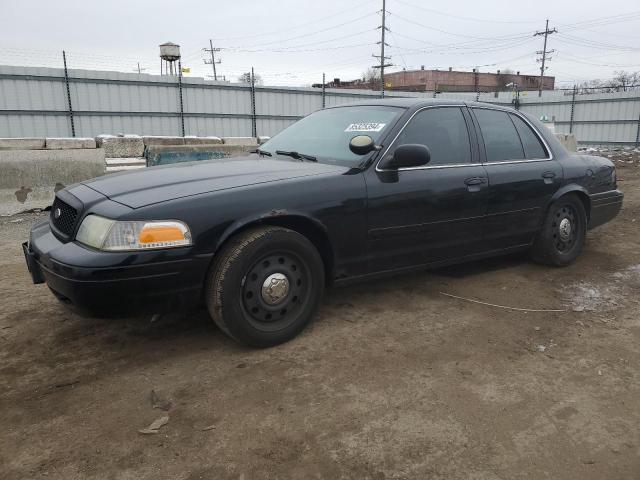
{"x": 413, "y": 102}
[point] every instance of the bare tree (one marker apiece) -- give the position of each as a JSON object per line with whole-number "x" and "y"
{"x": 371, "y": 77}
{"x": 625, "y": 79}
{"x": 246, "y": 78}
{"x": 622, "y": 81}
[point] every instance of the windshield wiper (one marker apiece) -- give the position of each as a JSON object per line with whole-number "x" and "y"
{"x": 262, "y": 152}
{"x": 297, "y": 155}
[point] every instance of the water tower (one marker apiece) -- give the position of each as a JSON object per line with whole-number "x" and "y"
{"x": 169, "y": 55}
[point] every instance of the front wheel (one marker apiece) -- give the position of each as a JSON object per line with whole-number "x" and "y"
{"x": 563, "y": 232}
{"x": 265, "y": 286}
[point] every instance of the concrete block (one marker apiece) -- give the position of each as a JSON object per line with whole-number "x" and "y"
{"x": 158, "y": 140}
{"x": 22, "y": 143}
{"x": 162, "y": 140}
{"x": 121, "y": 147}
{"x": 69, "y": 143}
{"x": 202, "y": 140}
{"x": 123, "y": 164}
{"x": 262, "y": 139}
{"x": 30, "y": 178}
{"x": 568, "y": 141}
{"x": 247, "y": 141}
{"x": 164, "y": 154}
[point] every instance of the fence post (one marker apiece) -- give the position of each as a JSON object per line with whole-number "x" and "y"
{"x": 180, "y": 93}
{"x": 573, "y": 107}
{"x": 254, "y": 127}
{"x": 66, "y": 82}
{"x": 323, "y": 91}
{"x": 638, "y": 133}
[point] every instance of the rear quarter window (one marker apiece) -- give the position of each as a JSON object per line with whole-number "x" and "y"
{"x": 501, "y": 139}
{"x": 533, "y": 147}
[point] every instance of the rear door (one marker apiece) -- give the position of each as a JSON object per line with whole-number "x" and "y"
{"x": 432, "y": 213}
{"x": 523, "y": 175}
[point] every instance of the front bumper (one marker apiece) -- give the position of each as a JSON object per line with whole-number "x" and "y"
{"x": 604, "y": 207}
{"x": 115, "y": 283}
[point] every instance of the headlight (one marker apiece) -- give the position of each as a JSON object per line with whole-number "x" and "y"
{"x": 111, "y": 235}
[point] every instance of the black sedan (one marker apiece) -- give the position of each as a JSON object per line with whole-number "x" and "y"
{"x": 346, "y": 193}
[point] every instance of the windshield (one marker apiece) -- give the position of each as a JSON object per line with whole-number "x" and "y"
{"x": 325, "y": 134}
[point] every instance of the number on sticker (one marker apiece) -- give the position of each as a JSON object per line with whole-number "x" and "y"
{"x": 365, "y": 127}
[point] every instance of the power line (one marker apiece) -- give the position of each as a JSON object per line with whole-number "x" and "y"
{"x": 297, "y": 47}
{"x": 298, "y": 25}
{"x": 428, "y": 27}
{"x": 307, "y": 34}
{"x": 459, "y": 17}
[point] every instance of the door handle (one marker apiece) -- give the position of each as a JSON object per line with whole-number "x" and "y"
{"x": 474, "y": 181}
{"x": 548, "y": 177}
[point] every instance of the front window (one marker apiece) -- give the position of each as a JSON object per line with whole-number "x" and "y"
{"x": 326, "y": 134}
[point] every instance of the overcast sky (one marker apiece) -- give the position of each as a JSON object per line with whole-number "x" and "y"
{"x": 292, "y": 42}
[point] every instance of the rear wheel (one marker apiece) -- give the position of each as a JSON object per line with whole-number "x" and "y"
{"x": 265, "y": 286}
{"x": 563, "y": 232}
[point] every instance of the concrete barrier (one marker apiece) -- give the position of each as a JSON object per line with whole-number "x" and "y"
{"x": 161, "y": 140}
{"x": 69, "y": 143}
{"x": 128, "y": 146}
{"x": 30, "y": 178}
{"x": 568, "y": 141}
{"x": 165, "y": 154}
{"x": 245, "y": 141}
{"x": 21, "y": 143}
{"x": 124, "y": 164}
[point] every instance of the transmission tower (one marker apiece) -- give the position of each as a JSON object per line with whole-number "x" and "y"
{"x": 544, "y": 52}
{"x": 383, "y": 29}
{"x": 213, "y": 60}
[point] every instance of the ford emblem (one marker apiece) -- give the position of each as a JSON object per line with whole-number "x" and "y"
{"x": 56, "y": 213}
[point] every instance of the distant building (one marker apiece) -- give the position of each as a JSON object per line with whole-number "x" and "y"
{"x": 449, "y": 81}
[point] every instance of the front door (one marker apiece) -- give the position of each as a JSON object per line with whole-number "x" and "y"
{"x": 523, "y": 176}
{"x": 424, "y": 215}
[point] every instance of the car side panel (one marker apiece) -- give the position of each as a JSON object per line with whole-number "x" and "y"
{"x": 336, "y": 203}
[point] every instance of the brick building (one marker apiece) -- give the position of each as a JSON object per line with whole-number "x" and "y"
{"x": 449, "y": 81}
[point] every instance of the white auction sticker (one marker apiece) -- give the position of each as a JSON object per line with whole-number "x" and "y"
{"x": 365, "y": 127}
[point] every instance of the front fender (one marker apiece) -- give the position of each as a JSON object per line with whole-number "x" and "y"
{"x": 279, "y": 215}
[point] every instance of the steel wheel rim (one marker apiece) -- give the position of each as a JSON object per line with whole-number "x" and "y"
{"x": 565, "y": 228}
{"x": 274, "y": 290}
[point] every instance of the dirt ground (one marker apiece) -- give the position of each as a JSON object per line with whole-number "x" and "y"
{"x": 393, "y": 380}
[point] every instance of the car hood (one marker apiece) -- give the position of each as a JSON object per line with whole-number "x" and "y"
{"x": 159, "y": 184}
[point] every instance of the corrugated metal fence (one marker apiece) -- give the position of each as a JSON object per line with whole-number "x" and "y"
{"x": 34, "y": 103}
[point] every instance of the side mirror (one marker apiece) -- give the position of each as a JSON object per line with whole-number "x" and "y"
{"x": 362, "y": 144}
{"x": 407, "y": 156}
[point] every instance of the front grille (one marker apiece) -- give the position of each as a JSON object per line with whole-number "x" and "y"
{"x": 63, "y": 217}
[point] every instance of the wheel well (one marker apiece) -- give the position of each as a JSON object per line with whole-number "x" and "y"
{"x": 584, "y": 198}
{"x": 314, "y": 233}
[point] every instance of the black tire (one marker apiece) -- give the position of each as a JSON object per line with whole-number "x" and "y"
{"x": 253, "y": 311}
{"x": 557, "y": 245}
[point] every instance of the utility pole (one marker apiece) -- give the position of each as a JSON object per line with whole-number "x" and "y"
{"x": 383, "y": 28}
{"x": 213, "y": 61}
{"x": 544, "y": 52}
{"x": 140, "y": 70}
